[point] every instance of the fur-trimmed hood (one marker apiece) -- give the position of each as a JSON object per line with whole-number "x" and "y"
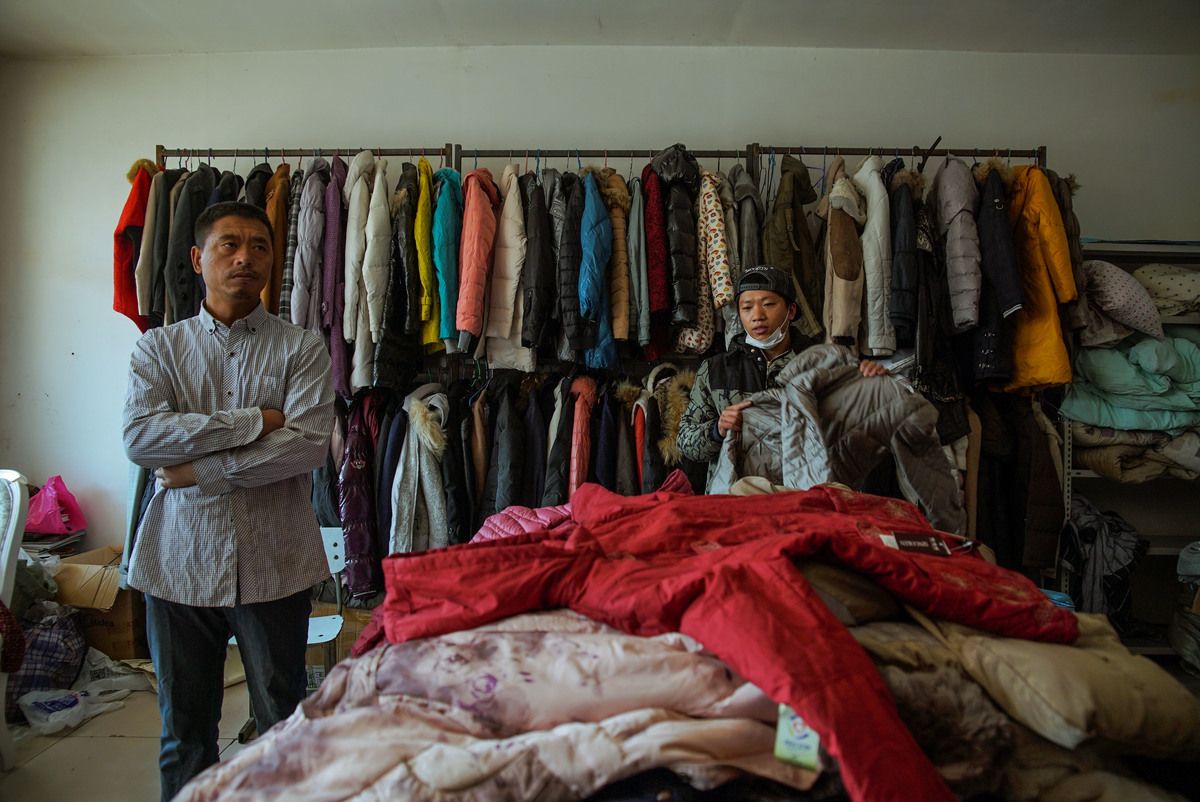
{"x": 672, "y": 396}
{"x": 912, "y": 179}
{"x": 996, "y": 164}
{"x": 151, "y": 168}
{"x": 426, "y": 408}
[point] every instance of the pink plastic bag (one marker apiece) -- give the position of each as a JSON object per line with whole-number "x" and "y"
{"x": 53, "y": 510}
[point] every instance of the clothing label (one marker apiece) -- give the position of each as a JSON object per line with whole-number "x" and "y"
{"x": 795, "y": 742}
{"x": 921, "y": 542}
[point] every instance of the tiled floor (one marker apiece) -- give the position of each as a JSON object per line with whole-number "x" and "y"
{"x": 111, "y": 758}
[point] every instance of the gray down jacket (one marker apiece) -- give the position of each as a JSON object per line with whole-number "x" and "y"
{"x": 829, "y": 423}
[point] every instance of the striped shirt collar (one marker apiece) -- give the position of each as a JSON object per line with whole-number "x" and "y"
{"x": 254, "y": 321}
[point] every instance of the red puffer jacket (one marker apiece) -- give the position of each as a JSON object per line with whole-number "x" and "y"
{"x": 720, "y": 568}
{"x": 475, "y": 254}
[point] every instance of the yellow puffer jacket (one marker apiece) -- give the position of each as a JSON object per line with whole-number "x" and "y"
{"x": 423, "y": 234}
{"x": 1044, "y": 262}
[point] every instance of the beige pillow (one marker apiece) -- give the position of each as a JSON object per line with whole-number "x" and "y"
{"x": 1092, "y": 689}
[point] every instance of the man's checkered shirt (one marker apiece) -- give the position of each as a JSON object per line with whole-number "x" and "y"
{"x": 246, "y": 531}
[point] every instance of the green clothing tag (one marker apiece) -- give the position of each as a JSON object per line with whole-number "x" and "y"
{"x": 795, "y": 741}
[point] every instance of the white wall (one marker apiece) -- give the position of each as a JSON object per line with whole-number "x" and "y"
{"x": 1127, "y": 126}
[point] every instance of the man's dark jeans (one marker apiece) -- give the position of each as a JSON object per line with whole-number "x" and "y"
{"x": 188, "y": 646}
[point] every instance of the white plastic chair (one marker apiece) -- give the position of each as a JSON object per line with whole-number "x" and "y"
{"x": 323, "y": 630}
{"x": 14, "y": 507}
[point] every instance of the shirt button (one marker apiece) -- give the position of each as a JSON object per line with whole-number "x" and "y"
{"x": 229, "y": 392}
{"x": 231, "y": 353}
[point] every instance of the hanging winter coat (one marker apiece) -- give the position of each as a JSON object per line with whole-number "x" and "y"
{"x": 558, "y": 446}
{"x": 750, "y": 214}
{"x": 507, "y": 457}
{"x": 368, "y": 260}
{"x": 712, "y": 270}
{"x": 333, "y": 284}
{"x": 433, "y": 307}
{"x": 596, "y": 242}
{"x": 475, "y": 252}
{"x": 505, "y": 313}
{"x": 1000, "y": 295}
{"x": 935, "y": 374}
{"x": 358, "y": 500}
{"x": 418, "y": 499}
{"x": 953, "y": 200}
{"x": 583, "y": 393}
{"x": 397, "y": 359}
{"x": 256, "y": 184}
{"x": 680, "y": 175}
{"x": 127, "y": 247}
{"x": 181, "y": 282}
{"x": 535, "y": 423}
{"x": 604, "y": 446}
{"x": 1044, "y": 259}
{"x": 906, "y": 188}
{"x": 387, "y": 463}
{"x": 402, "y": 303}
{"x": 843, "y": 212}
{"x": 616, "y": 198}
{"x": 456, "y": 465}
{"x": 639, "y": 277}
{"x": 144, "y": 271}
{"x": 293, "y": 237}
{"x": 728, "y": 315}
{"x": 446, "y": 242}
{"x": 160, "y": 247}
{"x": 1064, "y": 190}
{"x": 877, "y": 337}
{"x": 539, "y": 289}
{"x": 787, "y": 243}
{"x": 357, "y": 196}
{"x": 377, "y": 262}
{"x": 566, "y": 216}
{"x": 307, "y": 269}
{"x": 658, "y": 269}
{"x": 278, "y": 189}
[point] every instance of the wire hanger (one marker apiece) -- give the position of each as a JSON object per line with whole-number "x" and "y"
{"x": 578, "y": 163}
{"x": 234, "y": 161}
{"x": 537, "y": 162}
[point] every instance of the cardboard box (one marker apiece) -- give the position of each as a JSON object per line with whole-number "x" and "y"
{"x": 113, "y": 620}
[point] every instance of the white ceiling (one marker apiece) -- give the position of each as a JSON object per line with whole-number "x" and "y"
{"x": 84, "y": 28}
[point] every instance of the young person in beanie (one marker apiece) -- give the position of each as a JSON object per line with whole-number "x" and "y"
{"x": 766, "y": 304}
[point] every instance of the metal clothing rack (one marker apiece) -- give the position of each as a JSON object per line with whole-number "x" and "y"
{"x": 755, "y": 150}
{"x": 737, "y": 154}
{"x": 446, "y": 152}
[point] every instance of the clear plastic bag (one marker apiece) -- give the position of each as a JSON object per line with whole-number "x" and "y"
{"x": 50, "y": 711}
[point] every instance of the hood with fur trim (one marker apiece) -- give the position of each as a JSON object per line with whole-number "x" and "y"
{"x": 996, "y": 164}
{"x": 672, "y": 396}
{"x": 912, "y": 179}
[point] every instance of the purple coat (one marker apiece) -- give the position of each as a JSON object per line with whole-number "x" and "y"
{"x": 333, "y": 276}
{"x": 356, "y": 494}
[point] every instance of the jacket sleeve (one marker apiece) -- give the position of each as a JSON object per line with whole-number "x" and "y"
{"x": 696, "y": 437}
{"x": 356, "y": 245}
{"x": 1052, "y": 239}
{"x": 155, "y": 435}
{"x": 299, "y": 447}
{"x": 377, "y": 258}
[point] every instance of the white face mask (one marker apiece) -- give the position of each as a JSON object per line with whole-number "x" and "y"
{"x": 775, "y": 339}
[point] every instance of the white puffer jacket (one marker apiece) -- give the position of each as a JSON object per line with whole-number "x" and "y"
{"x": 877, "y": 335}
{"x": 377, "y": 262}
{"x": 506, "y": 302}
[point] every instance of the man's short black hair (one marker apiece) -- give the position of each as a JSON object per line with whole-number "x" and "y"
{"x": 212, "y": 214}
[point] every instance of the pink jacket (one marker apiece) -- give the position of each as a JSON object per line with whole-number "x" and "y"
{"x": 475, "y": 252}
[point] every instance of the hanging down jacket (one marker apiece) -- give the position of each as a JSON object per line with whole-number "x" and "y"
{"x": 681, "y": 174}
{"x": 596, "y": 242}
{"x": 505, "y": 307}
{"x": 953, "y": 200}
{"x": 787, "y": 242}
{"x": 310, "y": 241}
{"x": 475, "y": 253}
{"x": 418, "y": 499}
{"x": 702, "y": 566}
{"x": 357, "y": 500}
{"x": 539, "y": 263}
{"x": 877, "y": 337}
{"x": 829, "y": 423}
{"x": 566, "y": 216}
{"x": 446, "y": 239}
